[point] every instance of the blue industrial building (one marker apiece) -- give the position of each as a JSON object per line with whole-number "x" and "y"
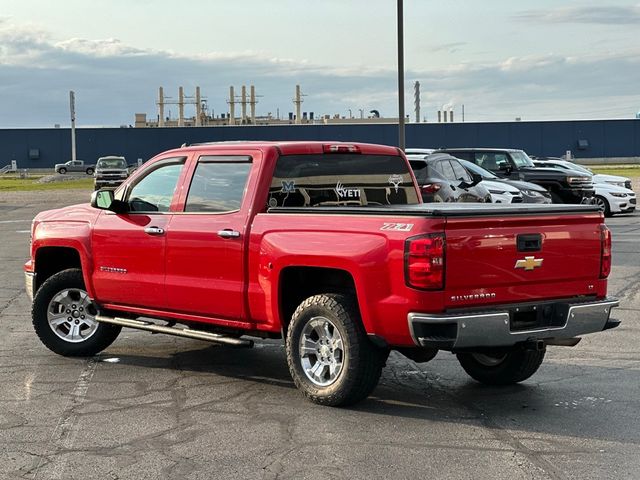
{"x": 42, "y": 148}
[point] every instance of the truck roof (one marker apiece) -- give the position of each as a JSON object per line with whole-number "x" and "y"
{"x": 481, "y": 149}
{"x": 292, "y": 147}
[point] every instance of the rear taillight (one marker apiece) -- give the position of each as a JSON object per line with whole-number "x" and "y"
{"x": 340, "y": 148}
{"x": 430, "y": 188}
{"x": 424, "y": 262}
{"x": 605, "y": 249}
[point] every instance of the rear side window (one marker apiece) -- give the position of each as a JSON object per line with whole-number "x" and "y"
{"x": 218, "y": 186}
{"x": 460, "y": 172}
{"x": 341, "y": 180}
{"x": 447, "y": 170}
{"x": 491, "y": 161}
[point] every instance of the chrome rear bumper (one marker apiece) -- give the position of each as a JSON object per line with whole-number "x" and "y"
{"x": 498, "y": 329}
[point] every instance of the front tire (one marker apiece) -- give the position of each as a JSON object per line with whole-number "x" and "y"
{"x": 501, "y": 368}
{"x": 330, "y": 358}
{"x": 603, "y": 204}
{"x": 64, "y": 317}
{"x": 62, "y": 171}
{"x": 89, "y": 171}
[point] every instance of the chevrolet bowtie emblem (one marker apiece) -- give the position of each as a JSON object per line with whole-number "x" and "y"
{"x": 529, "y": 263}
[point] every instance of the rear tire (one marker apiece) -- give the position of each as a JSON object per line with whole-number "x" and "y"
{"x": 89, "y": 171}
{"x": 64, "y": 317}
{"x": 502, "y": 368}
{"x": 330, "y": 358}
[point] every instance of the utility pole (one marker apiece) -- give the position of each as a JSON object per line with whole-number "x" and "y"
{"x": 401, "y": 142}
{"x": 463, "y": 113}
{"x": 72, "y": 106}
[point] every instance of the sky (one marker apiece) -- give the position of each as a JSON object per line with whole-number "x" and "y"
{"x": 537, "y": 60}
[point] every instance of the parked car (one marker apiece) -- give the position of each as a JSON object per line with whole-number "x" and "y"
{"x": 595, "y": 177}
{"x": 443, "y": 179}
{"x": 74, "y": 166}
{"x": 565, "y": 187}
{"x": 613, "y": 199}
{"x": 111, "y": 171}
{"x": 327, "y": 246}
{"x": 611, "y": 194}
{"x": 530, "y": 192}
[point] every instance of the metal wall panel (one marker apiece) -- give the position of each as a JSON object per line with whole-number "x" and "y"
{"x": 607, "y": 138}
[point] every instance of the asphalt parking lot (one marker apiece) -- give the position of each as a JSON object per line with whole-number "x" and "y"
{"x": 154, "y": 406}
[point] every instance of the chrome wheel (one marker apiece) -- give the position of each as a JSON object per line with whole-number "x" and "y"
{"x": 321, "y": 351}
{"x": 71, "y": 315}
{"x": 489, "y": 360}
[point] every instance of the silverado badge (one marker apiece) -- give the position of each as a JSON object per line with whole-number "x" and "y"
{"x": 529, "y": 263}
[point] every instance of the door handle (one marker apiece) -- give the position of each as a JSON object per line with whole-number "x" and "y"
{"x": 228, "y": 233}
{"x": 154, "y": 231}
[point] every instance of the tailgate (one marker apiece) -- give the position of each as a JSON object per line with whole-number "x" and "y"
{"x": 509, "y": 259}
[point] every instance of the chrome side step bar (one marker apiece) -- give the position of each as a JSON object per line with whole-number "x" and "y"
{"x": 179, "y": 332}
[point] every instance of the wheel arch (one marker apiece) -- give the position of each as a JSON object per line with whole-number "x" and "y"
{"x": 50, "y": 260}
{"x": 296, "y": 283}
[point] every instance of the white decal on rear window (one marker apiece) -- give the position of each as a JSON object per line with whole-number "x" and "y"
{"x": 347, "y": 192}
{"x": 395, "y": 180}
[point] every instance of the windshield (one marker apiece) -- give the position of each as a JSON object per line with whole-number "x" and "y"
{"x": 112, "y": 163}
{"x": 521, "y": 159}
{"x": 473, "y": 168}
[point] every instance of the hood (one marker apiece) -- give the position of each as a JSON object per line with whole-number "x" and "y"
{"x": 75, "y": 213}
{"x": 602, "y": 178}
{"x": 503, "y": 186}
{"x": 607, "y": 187}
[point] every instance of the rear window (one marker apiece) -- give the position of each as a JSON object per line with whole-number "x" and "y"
{"x": 341, "y": 180}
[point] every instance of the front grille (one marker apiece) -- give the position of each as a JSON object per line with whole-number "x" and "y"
{"x": 517, "y": 200}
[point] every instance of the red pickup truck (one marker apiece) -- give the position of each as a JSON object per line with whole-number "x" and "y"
{"x": 329, "y": 246}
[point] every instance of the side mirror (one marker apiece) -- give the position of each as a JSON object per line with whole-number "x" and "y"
{"x": 506, "y": 168}
{"x": 477, "y": 178}
{"x": 104, "y": 200}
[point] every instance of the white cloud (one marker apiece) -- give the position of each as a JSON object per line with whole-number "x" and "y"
{"x": 113, "y": 80}
{"x": 606, "y": 15}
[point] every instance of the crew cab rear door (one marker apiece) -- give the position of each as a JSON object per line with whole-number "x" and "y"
{"x": 206, "y": 241}
{"x": 129, "y": 249}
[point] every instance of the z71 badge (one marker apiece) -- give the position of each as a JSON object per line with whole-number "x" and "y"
{"x": 398, "y": 227}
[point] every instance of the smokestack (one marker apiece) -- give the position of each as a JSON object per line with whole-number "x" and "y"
{"x": 451, "y": 115}
{"x": 416, "y": 94}
{"x": 232, "y": 107}
{"x": 298, "y": 103}
{"x": 160, "y": 107}
{"x": 439, "y": 116}
{"x": 244, "y": 105}
{"x": 252, "y": 104}
{"x": 444, "y": 115}
{"x": 198, "y": 108}
{"x": 181, "y": 107}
